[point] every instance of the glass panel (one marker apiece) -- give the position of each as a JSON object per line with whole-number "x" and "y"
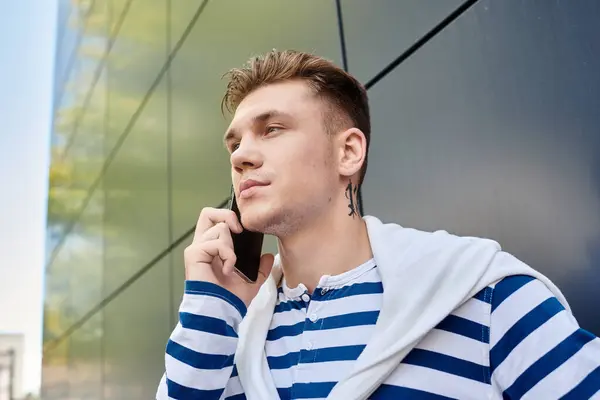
{"x": 57, "y": 313}
{"x": 55, "y": 373}
{"x": 64, "y": 10}
{"x": 64, "y": 201}
{"x": 85, "y": 155}
{"x": 78, "y": 132}
{"x": 79, "y": 55}
{"x": 177, "y": 278}
{"x": 118, "y": 11}
{"x": 182, "y": 13}
{"x": 136, "y": 331}
{"x": 85, "y": 247}
{"x": 135, "y": 60}
{"x": 73, "y": 281}
{"x": 79, "y": 259}
{"x": 73, "y": 288}
{"x": 68, "y": 181}
{"x": 491, "y": 130}
{"x": 66, "y": 39}
{"x": 136, "y": 222}
{"x": 201, "y": 170}
{"x": 85, "y": 361}
{"x": 71, "y": 32}
{"x": 378, "y": 31}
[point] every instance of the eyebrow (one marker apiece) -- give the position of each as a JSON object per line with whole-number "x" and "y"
{"x": 260, "y": 118}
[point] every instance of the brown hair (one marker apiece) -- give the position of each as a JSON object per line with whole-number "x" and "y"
{"x": 347, "y": 97}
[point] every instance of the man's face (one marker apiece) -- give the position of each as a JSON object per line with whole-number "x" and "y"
{"x": 282, "y": 158}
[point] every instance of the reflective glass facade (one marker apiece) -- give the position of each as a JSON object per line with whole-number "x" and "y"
{"x": 485, "y": 122}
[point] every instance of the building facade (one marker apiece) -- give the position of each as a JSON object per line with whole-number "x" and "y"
{"x": 485, "y": 123}
{"x": 12, "y": 346}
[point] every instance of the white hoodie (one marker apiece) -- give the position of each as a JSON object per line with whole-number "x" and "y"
{"x": 425, "y": 276}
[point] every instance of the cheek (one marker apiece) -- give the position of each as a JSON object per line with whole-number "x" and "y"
{"x": 310, "y": 160}
{"x": 305, "y": 165}
{"x": 309, "y": 172}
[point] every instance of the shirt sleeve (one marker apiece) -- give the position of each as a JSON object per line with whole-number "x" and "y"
{"x": 537, "y": 348}
{"x": 200, "y": 351}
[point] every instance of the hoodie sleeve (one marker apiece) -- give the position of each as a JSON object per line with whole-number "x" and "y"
{"x": 200, "y": 352}
{"x": 536, "y": 346}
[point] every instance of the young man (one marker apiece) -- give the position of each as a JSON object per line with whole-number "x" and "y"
{"x": 352, "y": 308}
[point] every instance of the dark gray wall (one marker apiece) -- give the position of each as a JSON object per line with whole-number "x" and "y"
{"x": 492, "y": 129}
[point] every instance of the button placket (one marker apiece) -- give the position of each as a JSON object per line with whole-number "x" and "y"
{"x": 312, "y": 311}
{"x": 308, "y": 353}
{"x": 313, "y": 317}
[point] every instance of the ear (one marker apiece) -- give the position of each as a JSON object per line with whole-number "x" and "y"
{"x": 352, "y": 150}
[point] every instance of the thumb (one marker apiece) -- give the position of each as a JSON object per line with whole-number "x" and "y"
{"x": 265, "y": 267}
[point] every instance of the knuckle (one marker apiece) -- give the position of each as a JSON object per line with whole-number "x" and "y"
{"x": 206, "y": 212}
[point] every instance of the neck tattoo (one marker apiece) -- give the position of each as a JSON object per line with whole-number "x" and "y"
{"x": 350, "y": 194}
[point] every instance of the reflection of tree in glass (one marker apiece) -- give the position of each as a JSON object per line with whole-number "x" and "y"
{"x": 125, "y": 222}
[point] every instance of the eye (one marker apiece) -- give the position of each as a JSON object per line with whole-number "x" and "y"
{"x": 234, "y": 147}
{"x": 273, "y": 128}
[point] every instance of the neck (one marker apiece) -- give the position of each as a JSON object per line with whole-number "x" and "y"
{"x": 331, "y": 244}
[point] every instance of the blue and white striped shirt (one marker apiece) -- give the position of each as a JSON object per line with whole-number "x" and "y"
{"x": 512, "y": 340}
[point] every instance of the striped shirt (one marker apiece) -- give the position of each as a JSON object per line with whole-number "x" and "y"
{"x": 512, "y": 340}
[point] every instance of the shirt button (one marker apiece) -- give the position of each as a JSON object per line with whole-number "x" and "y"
{"x": 305, "y": 298}
{"x": 309, "y": 346}
{"x": 313, "y": 317}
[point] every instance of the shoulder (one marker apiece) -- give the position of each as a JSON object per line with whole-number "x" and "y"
{"x": 522, "y": 304}
{"x": 536, "y": 345}
{"x": 522, "y": 291}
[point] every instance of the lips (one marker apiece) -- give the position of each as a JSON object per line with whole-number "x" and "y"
{"x": 249, "y": 184}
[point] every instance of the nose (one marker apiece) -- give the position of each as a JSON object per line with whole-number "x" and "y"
{"x": 246, "y": 156}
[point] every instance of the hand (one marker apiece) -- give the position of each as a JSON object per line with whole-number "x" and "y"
{"x": 210, "y": 257}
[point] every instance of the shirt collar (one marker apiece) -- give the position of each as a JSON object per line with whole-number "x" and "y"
{"x": 328, "y": 281}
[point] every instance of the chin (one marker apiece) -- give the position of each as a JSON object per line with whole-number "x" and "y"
{"x": 257, "y": 217}
{"x": 275, "y": 221}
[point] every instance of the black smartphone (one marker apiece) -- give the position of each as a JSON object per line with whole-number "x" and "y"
{"x": 247, "y": 247}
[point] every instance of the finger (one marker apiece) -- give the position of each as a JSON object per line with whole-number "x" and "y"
{"x": 219, "y": 231}
{"x": 212, "y": 216}
{"x": 222, "y": 233}
{"x": 228, "y": 269}
{"x": 265, "y": 267}
{"x": 218, "y": 248}
{"x": 194, "y": 255}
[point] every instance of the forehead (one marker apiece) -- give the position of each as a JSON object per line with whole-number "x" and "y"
{"x": 293, "y": 98}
